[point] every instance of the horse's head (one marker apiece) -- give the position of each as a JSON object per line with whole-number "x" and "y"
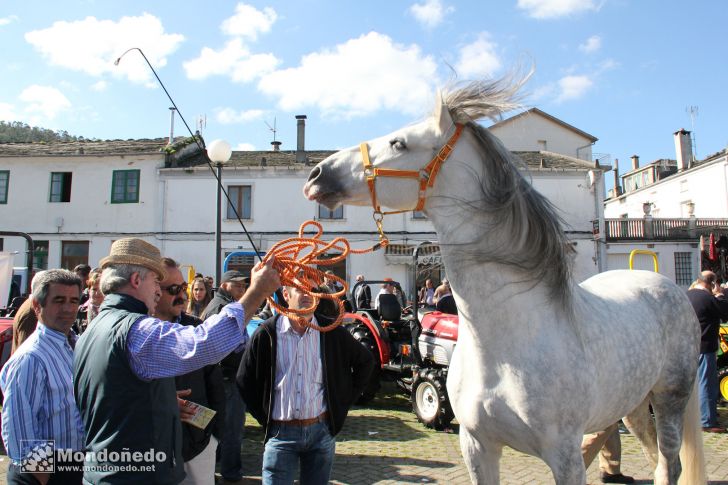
{"x": 342, "y": 177}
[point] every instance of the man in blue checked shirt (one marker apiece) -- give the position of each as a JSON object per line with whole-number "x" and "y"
{"x": 126, "y": 363}
{"x": 39, "y": 416}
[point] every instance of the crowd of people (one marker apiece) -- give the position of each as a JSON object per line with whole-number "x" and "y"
{"x": 136, "y": 376}
{"x": 119, "y": 376}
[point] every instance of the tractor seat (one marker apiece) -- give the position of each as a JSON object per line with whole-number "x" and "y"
{"x": 389, "y": 307}
{"x": 447, "y": 304}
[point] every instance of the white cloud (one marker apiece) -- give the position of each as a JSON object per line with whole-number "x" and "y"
{"x": 227, "y": 116}
{"x": 358, "y": 77}
{"x": 100, "y": 86}
{"x": 244, "y": 147}
{"x": 7, "y": 20}
{"x": 573, "y": 87}
{"x": 8, "y": 113}
{"x": 234, "y": 60}
{"x": 248, "y": 21}
{"x": 549, "y": 9}
{"x": 43, "y": 102}
{"x": 430, "y": 13}
{"x": 92, "y": 45}
{"x": 607, "y": 65}
{"x": 592, "y": 44}
{"x": 478, "y": 59}
{"x": 255, "y": 66}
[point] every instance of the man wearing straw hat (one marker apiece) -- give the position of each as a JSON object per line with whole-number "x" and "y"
{"x": 125, "y": 365}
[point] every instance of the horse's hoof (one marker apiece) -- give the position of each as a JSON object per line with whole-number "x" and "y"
{"x": 616, "y": 478}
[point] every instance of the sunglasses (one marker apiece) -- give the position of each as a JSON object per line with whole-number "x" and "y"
{"x": 174, "y": 290}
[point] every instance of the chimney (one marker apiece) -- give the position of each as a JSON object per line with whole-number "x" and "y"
{"x": 617, "y": 189}
{"x": 276, "y": 146}
{"x": 301, "y": 139}
{"x": 635, "y": 162}
{"x": 683, "y": 149}
{"x": 171, "y": 124}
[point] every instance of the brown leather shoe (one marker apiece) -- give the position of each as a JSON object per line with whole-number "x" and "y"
{"x": 714, "y": 429}
{"x": 616, "y": 478}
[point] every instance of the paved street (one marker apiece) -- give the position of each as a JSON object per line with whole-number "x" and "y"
{"x": 384, "y": 444}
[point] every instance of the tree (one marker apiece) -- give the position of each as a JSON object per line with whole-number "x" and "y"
{"x": 19, "y": 132}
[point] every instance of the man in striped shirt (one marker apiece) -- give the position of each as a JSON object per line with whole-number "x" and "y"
{"x": 37, "y": 384}
{"x": 299, "y": 384}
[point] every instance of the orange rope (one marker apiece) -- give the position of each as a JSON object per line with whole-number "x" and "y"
{"x": 298, "y": 259}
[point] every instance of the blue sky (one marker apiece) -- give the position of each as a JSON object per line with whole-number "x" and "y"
{"x": 625, "y": 71}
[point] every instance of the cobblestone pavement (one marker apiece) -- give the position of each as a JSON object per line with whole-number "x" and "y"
{"x": 384, "y": 444}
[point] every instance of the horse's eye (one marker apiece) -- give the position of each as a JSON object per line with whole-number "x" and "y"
{"x": 398, "y": 144}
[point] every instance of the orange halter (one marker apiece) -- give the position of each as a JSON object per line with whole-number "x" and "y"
{"x": 425, "y": 175}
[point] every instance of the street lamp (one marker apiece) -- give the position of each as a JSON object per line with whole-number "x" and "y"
{"x": 219, "y": 152}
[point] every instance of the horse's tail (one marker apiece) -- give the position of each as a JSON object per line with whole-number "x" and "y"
{"x": 691, "y": 451}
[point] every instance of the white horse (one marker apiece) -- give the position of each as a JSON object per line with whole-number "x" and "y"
{"x": 540, "y": 360}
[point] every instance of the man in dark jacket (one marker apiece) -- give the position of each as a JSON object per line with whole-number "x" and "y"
{"x": 125, "y": 364}
{"x": 232, "y": 287}
{"x": 299, "y": 384}
{"x": 711, "y": 307}
{"x": 203, "y": 386}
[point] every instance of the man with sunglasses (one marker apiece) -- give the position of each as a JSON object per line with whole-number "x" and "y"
{"x": 202, "y": 386}
{"x": 125, "y": 364}
{"x": 232, "y": 287}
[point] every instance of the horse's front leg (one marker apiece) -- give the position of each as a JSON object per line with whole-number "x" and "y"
{"x": 481, "y": 457}
{"x": 566, "y": 462}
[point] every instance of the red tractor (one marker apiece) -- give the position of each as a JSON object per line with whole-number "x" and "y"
{"x": 413, "y": 348}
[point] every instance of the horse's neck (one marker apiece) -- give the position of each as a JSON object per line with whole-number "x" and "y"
{"x": 502, "y": 293}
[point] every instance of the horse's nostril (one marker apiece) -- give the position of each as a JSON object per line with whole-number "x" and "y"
{"x": 314, "y": 174}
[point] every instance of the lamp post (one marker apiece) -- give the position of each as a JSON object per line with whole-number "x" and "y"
{"x": 219, "y": 152}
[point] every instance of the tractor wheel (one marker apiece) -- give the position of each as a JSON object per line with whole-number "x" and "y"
{"x": 429, "y": 399}
{"x": 723, "y": 383}
{"x": 364, "y": 336}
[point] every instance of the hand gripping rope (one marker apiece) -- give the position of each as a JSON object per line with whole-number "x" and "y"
{"x": 298, "y": 260}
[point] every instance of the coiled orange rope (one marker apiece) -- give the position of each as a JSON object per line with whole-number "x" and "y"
{"x": 297, "y": 261}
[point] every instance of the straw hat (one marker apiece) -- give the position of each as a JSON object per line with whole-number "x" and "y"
{"x": 135, "y": 251}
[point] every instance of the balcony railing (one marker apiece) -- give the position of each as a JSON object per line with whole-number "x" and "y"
{"x": 662, "y": 229}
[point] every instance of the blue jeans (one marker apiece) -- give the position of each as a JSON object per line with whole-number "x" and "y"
{"x": 311, "y": 446}
{"x": 708, "y": 386}
{"x": 231, "y": 465}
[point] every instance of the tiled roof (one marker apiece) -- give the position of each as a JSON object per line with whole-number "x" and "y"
{"x": 247, "y": 159}
{"x": 536, "y": 160}
{"x": 543, "y": 160}
{"x": 85, "y": 147}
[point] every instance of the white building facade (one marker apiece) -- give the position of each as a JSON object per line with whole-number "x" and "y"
{"x": 120, "y": 189}
{"x": 664, "y": 207}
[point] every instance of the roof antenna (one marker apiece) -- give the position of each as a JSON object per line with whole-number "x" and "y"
{"x": 272, "y": 128}
{"x": 201, "y": 122}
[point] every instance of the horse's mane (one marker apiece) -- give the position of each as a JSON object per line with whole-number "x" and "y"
{"x": 536, "y": 243}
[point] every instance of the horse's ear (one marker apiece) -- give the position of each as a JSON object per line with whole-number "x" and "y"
{"x": 441, "y": 116}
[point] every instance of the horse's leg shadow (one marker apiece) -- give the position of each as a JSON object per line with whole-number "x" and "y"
{"x": 482, "y": 459}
